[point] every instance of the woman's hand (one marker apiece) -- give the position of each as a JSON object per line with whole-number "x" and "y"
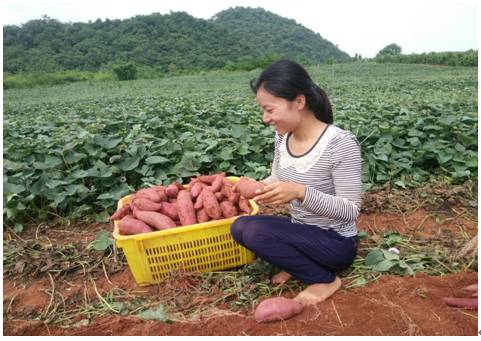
{"x": 280, "y": 192}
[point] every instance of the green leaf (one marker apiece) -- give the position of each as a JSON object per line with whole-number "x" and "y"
{"x": 374, "y": 256}
{"x": 384, "y": 265}
{"x": 362, "y": 234}
{"x": 157, "y": 314}
{"x": 107, "y": 143}
{"x": 392, "y": 238}
{"x": 18, "y": 228}
{"x": 156, "y": 159}
{"x": 9, "y": 188}
{"x": 53, "y": 161}
{"x": 103, "y": 241}
{"x": 102, "y": 217}
{"x": 129, "y": 163}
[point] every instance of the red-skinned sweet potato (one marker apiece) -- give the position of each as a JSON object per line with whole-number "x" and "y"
{"x": 145, "y": 204}
{"x": 228, "y": 209}
{"x": 172, "y": 190}
{"x": 185, "y": 208}
{"x": 199, "y": 202}
{"x": 170, "y": 210}
{"x": 149, "y": 193}
{"x": 211, "y": 205}
{"x": 217, "y": 182}
{"x": 244, "y": 205}
{"x": 219, "y": 196}
{"x": 207, "y": 179}
{"x": 128, "y": 225}
{"x": 121, "y": 213}
{"x": 156, "y": 220}
{"x": 277, "y": 308}
{"x": 247, "y": 187}
{"x": 202, "y": 216}
{"x": 196, "y": 188}
{"x": 161, "y": 190}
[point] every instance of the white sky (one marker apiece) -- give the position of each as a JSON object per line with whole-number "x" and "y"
{"x": 363, "y": 26}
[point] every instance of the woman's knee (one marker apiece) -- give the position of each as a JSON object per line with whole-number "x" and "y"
{"x": 238, "y": 227}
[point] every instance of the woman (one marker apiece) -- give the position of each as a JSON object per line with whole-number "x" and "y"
{"x": 317, "y": 169}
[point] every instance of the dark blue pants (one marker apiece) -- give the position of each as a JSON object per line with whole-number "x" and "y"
{"x": 307, "y": 252}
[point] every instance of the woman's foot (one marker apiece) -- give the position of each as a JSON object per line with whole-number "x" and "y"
{"x": 281, "y": 277}
{"x": 318, "y": 292}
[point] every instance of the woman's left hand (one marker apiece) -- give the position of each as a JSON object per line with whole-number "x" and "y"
{"x": 280, "y": 192}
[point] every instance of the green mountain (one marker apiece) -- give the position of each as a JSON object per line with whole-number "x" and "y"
{"x": 234, "y": 37}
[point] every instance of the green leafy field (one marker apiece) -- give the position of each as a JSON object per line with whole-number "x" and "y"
{"x": 74, "y": 150}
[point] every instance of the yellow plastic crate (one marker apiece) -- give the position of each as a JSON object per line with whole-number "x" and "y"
{"x": 201, "y": 247}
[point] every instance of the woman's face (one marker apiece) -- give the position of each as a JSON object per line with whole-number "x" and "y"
{"x": 280, "y": 113}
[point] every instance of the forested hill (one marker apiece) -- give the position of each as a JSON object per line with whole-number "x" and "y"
{"x": 237, "y": 36}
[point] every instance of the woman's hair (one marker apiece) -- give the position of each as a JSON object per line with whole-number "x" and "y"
{"x": 287, "y": 79}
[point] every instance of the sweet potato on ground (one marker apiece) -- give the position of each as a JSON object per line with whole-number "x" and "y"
{"x": 128, "y": 225}
{"x": 157, "y": 220}
{"x": 211, "y": 205}
{"x": 185, "y": 208}
{"x": 277, "y": 308}
{"x": 247, "y": 188}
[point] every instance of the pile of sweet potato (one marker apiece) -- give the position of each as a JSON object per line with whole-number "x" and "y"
{"x": 206, "y": 198}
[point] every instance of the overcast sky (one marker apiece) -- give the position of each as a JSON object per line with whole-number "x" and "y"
{"x": 362, "y": 27}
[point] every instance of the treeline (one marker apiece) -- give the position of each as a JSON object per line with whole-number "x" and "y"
{"x": 237, "y": 38}
{"x": 465, "y": 58}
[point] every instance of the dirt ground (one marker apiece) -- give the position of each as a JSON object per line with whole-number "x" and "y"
{"x": 392, "y": 305}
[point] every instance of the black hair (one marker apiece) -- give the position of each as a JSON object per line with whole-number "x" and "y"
{"x": 287, "y": 79}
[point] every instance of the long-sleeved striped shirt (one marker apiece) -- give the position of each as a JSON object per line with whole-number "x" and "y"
{"x": 331, "y": 172}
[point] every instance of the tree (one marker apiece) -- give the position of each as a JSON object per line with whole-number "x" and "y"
{"x": 389, "y": 50}
{"x": 125, "y": 72}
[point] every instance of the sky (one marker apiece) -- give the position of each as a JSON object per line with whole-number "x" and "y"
{"x": 357, "y": 27}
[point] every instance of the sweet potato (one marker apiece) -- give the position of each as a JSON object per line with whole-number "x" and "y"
{"x": 228, "y": 209}
{"x": 244, "y": 205}
{"x": 207, "y": 179}
{"x": 202, "y": 216}
{"x": 185, "y": 208}
{"x": 217, "y": 182}
{"x": 149, "y": 193}
{"x": 161, "y": 190}
{"x": 232, "y": 196}
{"x": 128, "y": 225}
{"x": 157, "y": 220}
{"x": 277, "y": 308}
{"x": 199, "y": 202}
{"x": 121, "y": 213}
{"x": 170, "y": 210}
{"x": 178, "y": 185}
{"x": 196, "y": 189}
{"x": 211, "y": 204}
{"x": 219, "y": 196}
{"x": 145, "y": 204}
{"x": 172, "y": 190}
{"x": 247, "y": 188}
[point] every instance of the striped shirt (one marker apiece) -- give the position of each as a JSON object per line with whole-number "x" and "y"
{"x": 331, "y": 172}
